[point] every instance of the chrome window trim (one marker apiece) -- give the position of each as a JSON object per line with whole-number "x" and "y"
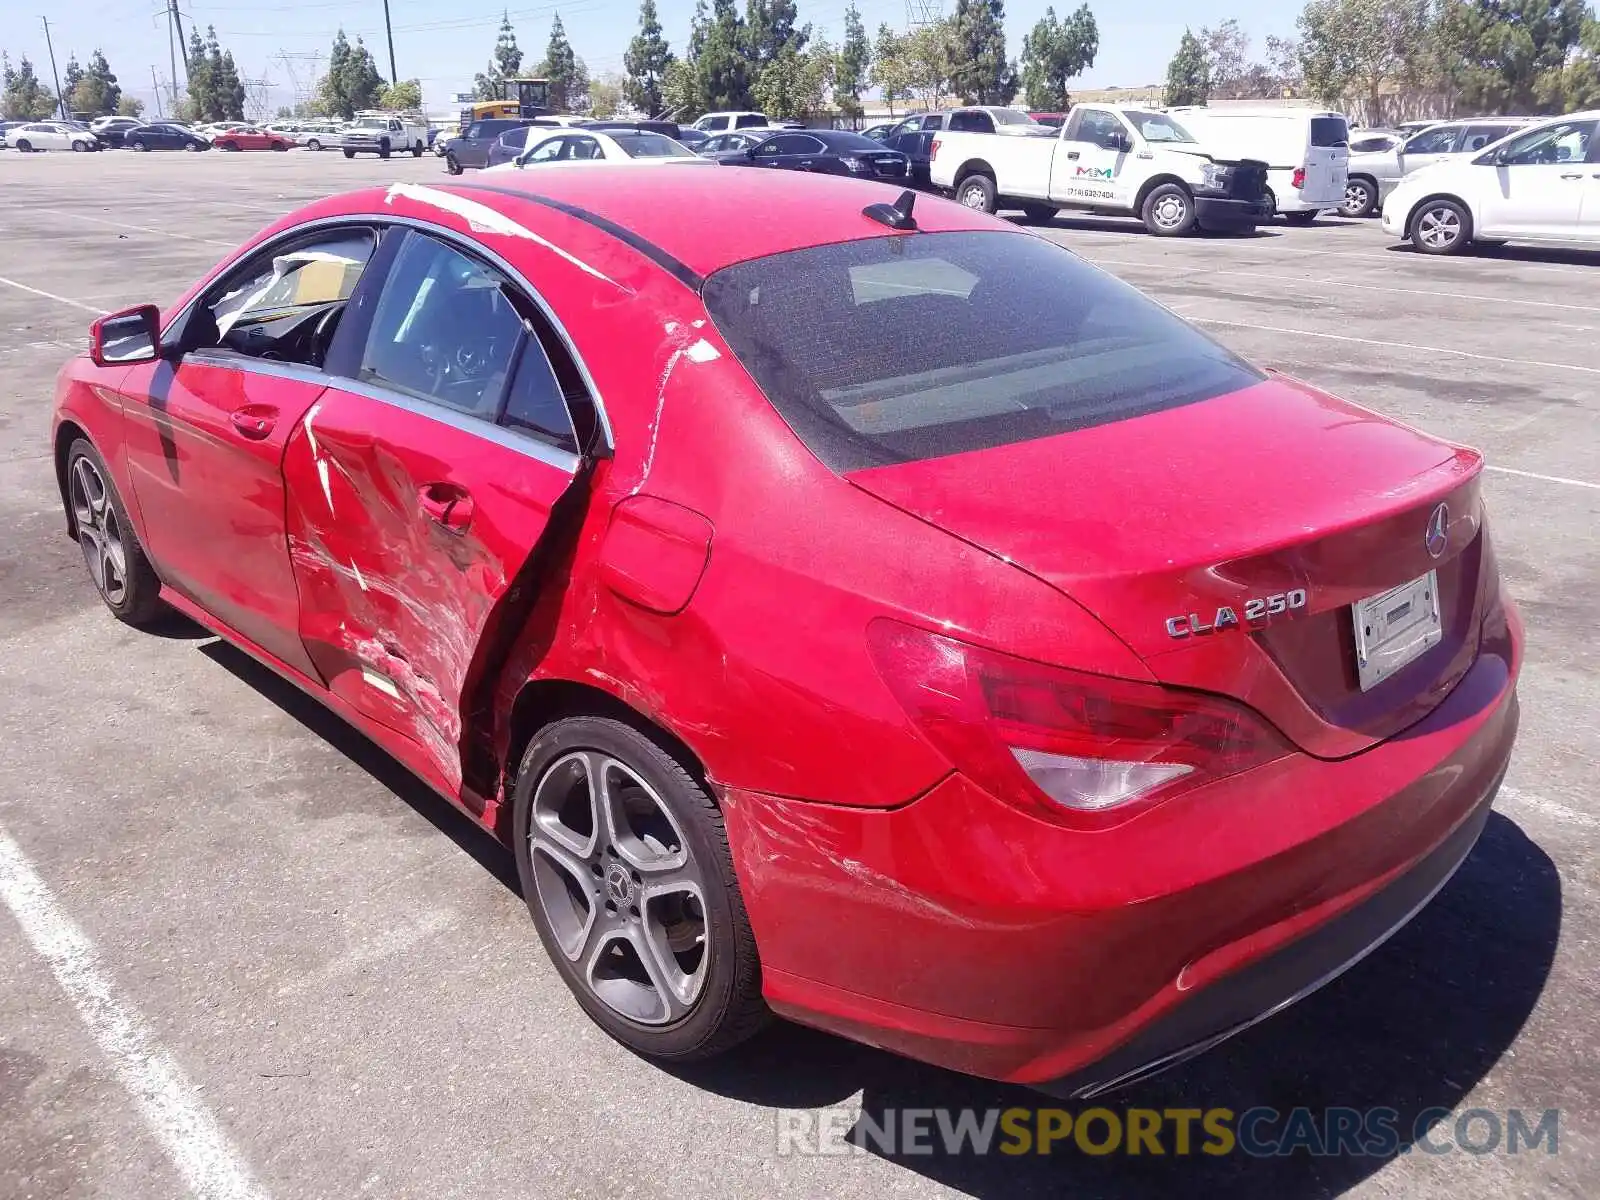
{"x": 445, "y": 234}
{"x": 526, "y": 444}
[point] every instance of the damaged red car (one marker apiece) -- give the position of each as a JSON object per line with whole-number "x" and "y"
{"x": 871, "y": 614}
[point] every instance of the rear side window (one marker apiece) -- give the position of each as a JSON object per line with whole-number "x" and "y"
{"x": 971, "y": 122}
{"x": 1330, "y": 131}
{"x": 894, "y": 349}
{"x": 1441, "y": 140}
{"x": 750, "y": 121}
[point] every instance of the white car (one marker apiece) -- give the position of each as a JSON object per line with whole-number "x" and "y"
{"x": 593, "y": 145}
{"x": 720, "y": 122}
{"x": 1377, "y": 170}
{"x": 52, "y": 135}
{"x": 1540, "y": 184}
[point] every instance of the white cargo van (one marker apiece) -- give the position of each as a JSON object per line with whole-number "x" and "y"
{"x": 1307, "y": 151}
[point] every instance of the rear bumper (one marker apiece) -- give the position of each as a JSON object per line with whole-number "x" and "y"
{"x": 959, "y": 931}
{"x": 1224, "y": 214}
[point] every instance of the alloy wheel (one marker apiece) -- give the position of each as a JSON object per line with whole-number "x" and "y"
{"x": 99, "y": 531}
{"x": 1439, "y": 227}
{"x": 619, "y": 887}
{"x": 1355, "y": 199}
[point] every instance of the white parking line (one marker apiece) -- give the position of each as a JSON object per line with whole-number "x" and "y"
{"x": 194, "y": 1141}
{"x": 1553, "y": 809}
{"x": 1278, "y": 277}
{"x": 22, "y": 287}
{"x": 1411, "y": 346}
{"x": 167, "y": 233}
{"x": 1578, "y": 483}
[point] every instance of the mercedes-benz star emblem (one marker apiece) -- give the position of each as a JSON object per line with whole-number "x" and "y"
{"x": 1437, "y": 536}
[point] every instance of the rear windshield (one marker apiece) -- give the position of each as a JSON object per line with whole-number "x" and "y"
{"x": 892, "y": 349}
{"x": 1330, "y": 131}
{"x": 650, "y": 145}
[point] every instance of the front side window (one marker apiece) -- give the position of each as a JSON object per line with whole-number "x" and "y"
{"x": 285, "y": 305}
{"x": 546, "y": 151}
{"x": 1033, "y": 342}
{"x": 1099, "y": 128}
{"x": 750, "y": 121}
{"x": 1562, "y": 142}
{"x": 445, "y": 329}
{"x": 474, "y": 131}
{"x": 581, "y": 149}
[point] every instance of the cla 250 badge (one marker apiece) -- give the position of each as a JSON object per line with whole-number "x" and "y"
{"x": 1256, "y": 609}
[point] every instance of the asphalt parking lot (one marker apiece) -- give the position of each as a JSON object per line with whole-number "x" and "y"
{"x": 335, "y": 973}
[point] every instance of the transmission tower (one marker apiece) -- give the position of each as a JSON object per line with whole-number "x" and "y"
{"x": 303, "y": 69}
{"x": 923, "y": 12}
{"x": 258, "y": 98}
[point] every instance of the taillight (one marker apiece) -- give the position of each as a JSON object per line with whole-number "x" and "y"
{"x": 1052, "y": 740}
{"x": 1299, "y": 178}
{"x": 933, "y": 149}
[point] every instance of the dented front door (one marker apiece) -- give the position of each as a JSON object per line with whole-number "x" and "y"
{"x": 407, "y": 524}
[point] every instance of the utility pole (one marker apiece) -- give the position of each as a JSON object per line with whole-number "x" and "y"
{"x": 155, "y": 86}
{"x": 394, "y": 76}
{"x": 183, "y": 48}
{"x": 61, "y": 101}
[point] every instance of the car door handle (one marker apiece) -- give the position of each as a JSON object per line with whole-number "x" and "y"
{"x": 1579, "y": 175}
{"x": 446, "y": 504}
{"x": 255, "y": 421}
{"x": 1072, "y": 154}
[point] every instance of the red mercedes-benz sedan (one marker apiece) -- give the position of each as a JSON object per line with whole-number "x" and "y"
{"x": 852, "y": 608}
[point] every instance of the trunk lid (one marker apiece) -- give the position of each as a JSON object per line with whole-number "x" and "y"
{"x": 1257, "y": 494}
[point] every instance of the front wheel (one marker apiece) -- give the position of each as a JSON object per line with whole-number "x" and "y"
{"x": 117, "y": 564}
{"x": 1360, "y": 198}
{"x": 79, "y": 147}
{"x": 1168, "y": 211}
{"x": 1441, "y": 227}
{"x": 625, "y": 866}
{"x": 977, "y": 192}
{"x": 452, "y": 165}
{"x": 416, "y": 151}
{"x": 24, "y": 146}
{"x": 192, "y": 147}
{"x": 280, "y": 146}
{"x": 140, "y": 148}
{"x": 383, "y": 148}
{"x": 313, "y": 144}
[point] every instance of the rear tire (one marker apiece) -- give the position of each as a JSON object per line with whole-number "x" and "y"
{"x": 1360, "y": 198}
{"x": 1040, "y": 213}
{"x": 641, "y": 912}
{"x": 383, "y": 148}
{"x": 1441, "y": 227}
{"x": 192, "y": 147}
{"x": 121, "y": 573}
{"x": 452, "y": 165}
{"x": 977, "y": 192}
{"x": 416, "y": 151}
{"x": 140, "y": 148}
{"x": 313, "y": 144}
{"x": 1168, "y": 211}
{"x": 24, "y": 146}
{"x": 349, "y": 153}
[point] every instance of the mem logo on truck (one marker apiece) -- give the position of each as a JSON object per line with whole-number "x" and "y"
{"x": 1096, "y": 172}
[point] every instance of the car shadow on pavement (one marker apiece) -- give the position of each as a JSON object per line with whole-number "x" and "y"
{"x": 1557, "y": 255}
{"x": 1412, "y": 1028}
{"x": 1069, "y": 222}
{"x": 371, "y": 758}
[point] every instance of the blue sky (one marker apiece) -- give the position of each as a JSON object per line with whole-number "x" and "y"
{"x": 445, "y": 44}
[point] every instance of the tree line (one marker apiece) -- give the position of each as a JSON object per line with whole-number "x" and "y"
{"x": 764, "y": 58}
{"x": 91, "y": 89}
{"x": 1387, "y": 60}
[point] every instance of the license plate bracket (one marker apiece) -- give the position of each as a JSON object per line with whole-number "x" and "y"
{"x": 1395, "y": 628}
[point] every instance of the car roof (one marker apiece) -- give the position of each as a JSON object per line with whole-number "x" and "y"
{"x": 703, "y": 219}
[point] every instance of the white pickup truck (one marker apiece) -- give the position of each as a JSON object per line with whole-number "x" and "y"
{"x": 1109, "y": 158}
{"x": 384, "y": 134}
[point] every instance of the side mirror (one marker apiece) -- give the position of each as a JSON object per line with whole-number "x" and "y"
{"x": 750, "y": 151}
{"x": 1121, "y": 142}
{"x": 123, "y": 338}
